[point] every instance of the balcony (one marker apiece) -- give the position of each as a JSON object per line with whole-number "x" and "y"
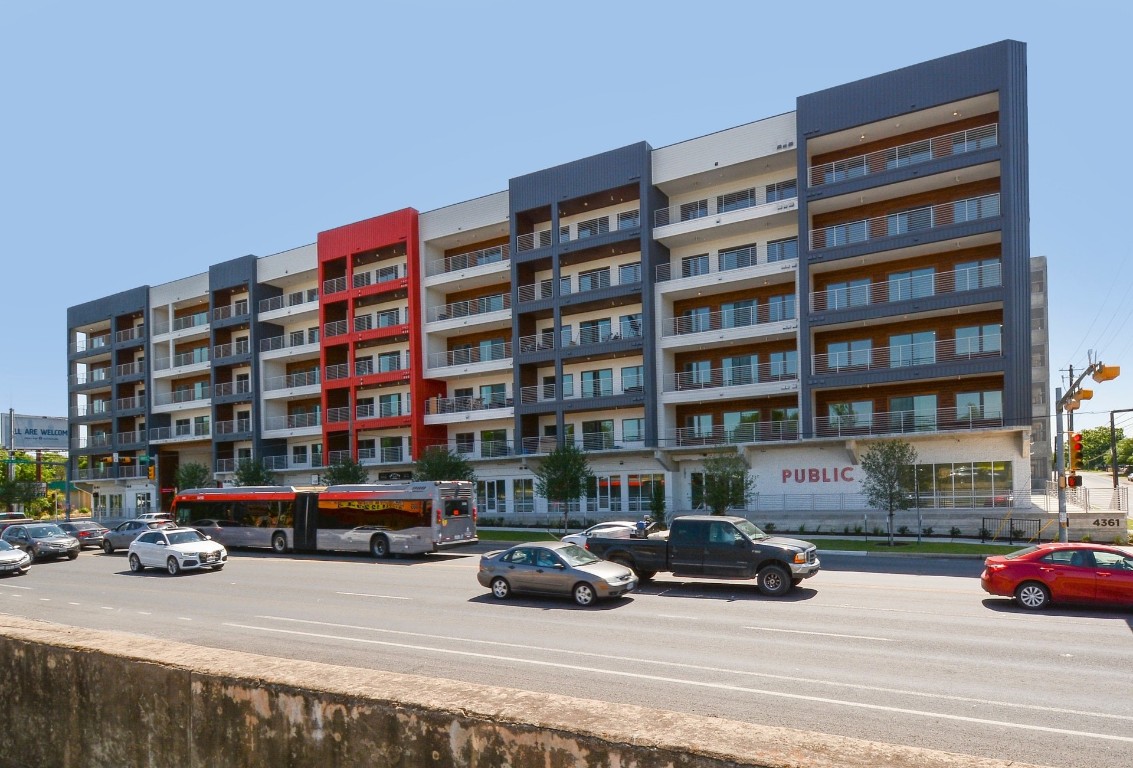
{"x": 337, "y": 371}
{"x": 587, "y": 389}
{"x": 130, "y": 369}
{"x": 195, "y": 431}
{"x": 898, "y": 422}
{"x": 599, "y": 225}
{"x": 905, "y": 155}
{"x": 198, "y": 356}
{"x": 479, "y": 306}
{"x": 241, "y": 347}
{"x": 444, "y": 405}
{"x": 385, "y": 363}
{"x": 730, "y": 319}
{"x": 387, "y": 455}
{"x": 334, "y": 285}
{"x": 292, "y": 381}
{"x": 387, "y": 318}
{"x": 92, "y": 408}
{"x": 338, "y": 415}
{"x": 735, "y": 376}
{"x": 383, "y": 410}
{"x": 290, "y": 341}
{"x": 236, "y": 309}
{"x": 335, "y": 328}
{"x": 483, "y": 449}
{"x": 496, "y": 254}
{"x": 291, "y": 301}
{"x": 477, "y": 354}
{"x": 130, "y": 334}
{"x": 783, "y": 196}
{"x": 127, "y": 403}
{"x": 284, "y": 462}
{"x": 389, "y": 274}
{"x": 902, "y": 289}
{"x": 599, "y": 441}
{"x": 226, "y": 388}
{"x": 530, "y": 241}
{"x": 760, "y": 254}
{"x": 755, "y": 432}
{"x": 93, "y": 376}
{"x": 233, "y": 427}
{"x": 908, "y": 355}
{"x": 582, "y": 283}
{"x": 130, "y": 438}
{"x": 293, "y": 421}
{"x": 91, "y": 344}
{"x": 97, "y": 473}
{"x": 180, "y": 397}
{"x": 905, "y": 222}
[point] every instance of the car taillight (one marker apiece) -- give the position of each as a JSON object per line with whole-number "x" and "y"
{"x": 996, "y": 566}
{"x": 475, "y": 514}
{"x": 438, "y": 511}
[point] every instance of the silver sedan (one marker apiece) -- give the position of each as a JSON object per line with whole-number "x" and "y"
{"x": 554, "y": 568}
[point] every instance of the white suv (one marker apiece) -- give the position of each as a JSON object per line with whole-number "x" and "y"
{"x": 176, "y": 550}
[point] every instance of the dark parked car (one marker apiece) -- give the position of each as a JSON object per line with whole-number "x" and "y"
{"x": 120, "y": 536}
{"x": 13, "y": 560}
{"x": 1054, "y": 573}
{"x": 41, "y": 540}
{"x": 554, "y": 568}
{"x": 88, "y": 532}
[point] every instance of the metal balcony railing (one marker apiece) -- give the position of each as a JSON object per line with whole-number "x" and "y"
{"x": 477, "y": 354}
{"x": 907, "y": 355}
{"x": 536, "y": 342}
{"x": 287, "y": 300}
{"x": 735, "y": 376}
{"x": 903, "y": 222}
{"x": 127, "y": 438}
{"x": 129, "y": 334}
{"x": 290, "y": 340}
{"x": 92, "y": 376}
{"x": 196, "y": 320}
{"x": 293, "y": 421}
{"x": 585, "y": 389}
{"x": 233, "y": 426}
{"x": 738, "y": 200}
{"x": 729, "y": 259}
{"x": 905, "y": 154}
{"x": 847, "y": 296}
{"x": 241, "y": 347}
{"x": 126, "y": 403}
{"x": 491, "y": 255}
{"x": 334, "y": 285}
{"x": 338, "y": 414}
{"x": 292, "y": 380}
{"x": 378, "y": 276}
{"x": 599, "y": 225}
{"x": 336, "y": 457}
{"x": 387, "y": 455}
{"x": 386, "y": 318}
{"x": 483, "y": 449}
{"x": 225, "y": 388}
{"x": 388, "y": 363}
{"x": 238, "y": 308}
{"x": 441, "y": 405}
{"x": 755, "y": 432}
{"x": 940, "y": 420}
{"x": 478, "y": 306}
{"x": 130, "y": 369}
{"x": 532, "y": 240}
{"x": 383, "y": 410}
{"x": 335, "y": 328}
{"x": 180, "y": 396}
{"x": 194, "y": 357}
{"x": 730, "y": 318}
{"x": 337, "y": 371}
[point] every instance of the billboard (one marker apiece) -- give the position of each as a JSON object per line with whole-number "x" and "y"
{"x": 34, "y": 433}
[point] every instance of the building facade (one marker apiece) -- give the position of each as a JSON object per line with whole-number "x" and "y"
{"x": 789, "y": 290}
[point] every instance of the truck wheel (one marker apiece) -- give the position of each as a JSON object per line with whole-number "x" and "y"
{"x": 644, "y": 576}
{"x": 774, "y": 581}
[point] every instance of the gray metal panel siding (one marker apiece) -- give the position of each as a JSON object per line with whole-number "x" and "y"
{"x": 232, "y": 274}
{"x": 132, "y": 300}
{"x": 997, "y": 67}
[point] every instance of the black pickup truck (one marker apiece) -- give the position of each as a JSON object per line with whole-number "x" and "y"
{"x": 715, "y": 547}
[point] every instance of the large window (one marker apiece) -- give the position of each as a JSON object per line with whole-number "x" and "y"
{"x": 986, "y": 273}
{"x": 783, "y": 190}
{"x": 977, "y": 340}
{"x": 913, "y": 414}
{"x": 740, "y": 370}
{"x": 523, "y": 495}
{"x": 907, "y": 349}
{"x": 695, "y": 320}
{"x": 629, "y": 273}
{"x": 604, "y": 493}
{"x": 491, "y": 497}
{"x": 594, "y": 279}
{"x": 641, "y": 489}
{"x": 493, "y": 442}
{"x": 741, "y": 426}
{"x": 849, "y": 293}
{"x": 738, "y": 314}
{"x": 979, "y": 405}
{"x": 848, "y": 354}
{"x": 694, "y": 210}
{"x": 696, "y": 373}
{"x": 781, "y": 250}
{"x": 911, "y": 284}
{"x": 599, "y": 383}
{"x": 633, "y": 378}
{"x": 629, "y": 326}
{"x": 734, "y": 201}
{"x": 852, "y": 415}
{"x": 737, "y": 258}
{"x": 598, "y": 435}
{"x": 783, "y": 365}
{"x": 780, "y": 308}
{"x": 594, "y": 331}
{"x": 694, "y": 265}
{"x": 633, "y": 431}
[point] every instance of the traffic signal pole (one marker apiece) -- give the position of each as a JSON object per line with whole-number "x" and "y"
{"x": 1060, "y": 467}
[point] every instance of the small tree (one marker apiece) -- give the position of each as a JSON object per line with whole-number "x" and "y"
{"x": 345, "y": 471}
{"x": 657, "y": 504}
{"x": 252, "y": 472}
{"x": 441, "y": 463}
{"x": 561, "y": 477}
{"x": 888, "y": 483}
{"x": 193, "y": 475}
{"x": 727, "y": 483}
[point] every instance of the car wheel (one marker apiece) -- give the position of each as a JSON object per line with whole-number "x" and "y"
{"x": 796, "y": 582}
{"x": 72, "y": 555}
{"x": 1032, "y": 595}
{"x": 774, "y": 581}
{"x": 31, "y": 554}
{"x": 379, "y": 547}
{"x": 584, "y": 594}
{"x": 136, "y": 564}
{"x": 107, "y": 547}
{"x": 172, "y": 566}
{"x": 279, "y": 543}
{"x": 501, "y": 590}
{"x": 645, "y": 575}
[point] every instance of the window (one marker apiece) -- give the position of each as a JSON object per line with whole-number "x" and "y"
{"x": 298, "y": 454}
{"x": 593, "y": 279}
{"x": 780, "y": 308}
{"x": 978, "y": 138}
{"x": 699, "y": 425}
{"x": 633, "y": 430}
{"x": 781, "y": 250}
{"x": 566, "y": 335}
{"x": 740, "y": 370}
{"x": 850, "y": 293}
{"x": 491, "y": 497}
{"x": 389, "y": 317}
{"x": 855, "y": 415}
{"x": 598, "y": 435}
{"x": 313, "y": 335}
{"x": 629, "y": 273}
{"x": 493, "y": 395}
{"x": 734, "y": 201}
{"x": 295, "y": 339}
{"x": 633, "y": 378}
{"x": 913, "y": 414}
{"x": 629, "y": 219}
{"x": 917, "y": 152}
{"x": 979, "y": 405}
{"x": 598, "y": 383}
{"x": 630, "y": 326}
{"x": 691, "y": 266}
{"x": 182, "y": 428}
{"x": 389, "y": 405}
{"x": 695, "y": 320}
{"x": 741, "y": 426}
{"x": 594, "y": 331}
{"x": 200, "y": 426}
{"x": 604, "y": 493}
{"x": 641, "y": 489}
{"x": 913, "y": 284}
{"x": 363, "y": 366}
{"x": 389, "y": 361}
{"x": 976, "y": 208}
{"x": 783, "y": 365}
{"x": 461, "y": 354}
{"x": 979, "y": 340}
{"x": 493, "y": 442}
{"x": 593, "y": 227}
{"x": 986, "y": 273}
{"x": 843, "y": 234}
{"x": 694, "y": 210}
{"x": 523, "y": 495}
{"x": 465, "y": 443}
{"x": 737, "y": 258}
{"x": 317, "y": 455}
{"x": 783, "y": 190}
{"x": 568, "y": 385}
{"x": 784, "y": 424}
{"x": 492, "y": 349}
{"x": 738, "y": 314}
{"x": 696, "y": 374}
{"x": 910, "y": 221}
{"x": 907, "y": 349}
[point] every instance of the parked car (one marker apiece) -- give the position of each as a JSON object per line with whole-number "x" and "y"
{"x": 155, "y": 516}
{"x": 41, "y": 540}
{"x": 1053, "y": 573}
{"x": 613, "y": 529}
{"x": 175, "y": 550}
{"x": 554, "y": 568}
{"x": 88, "y": 532}
{"x": 13, "y": 560}
{"x": 120, "y": 536}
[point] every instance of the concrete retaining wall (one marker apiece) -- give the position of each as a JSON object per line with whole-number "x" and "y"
{"x": 76, "y": 697}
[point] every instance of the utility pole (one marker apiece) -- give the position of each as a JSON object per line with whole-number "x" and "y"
{"x": 1059, "y": 468}
{"x": 1070, "y": 403}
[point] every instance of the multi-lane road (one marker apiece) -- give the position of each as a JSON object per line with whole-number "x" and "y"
{"x": 886, "y": 649}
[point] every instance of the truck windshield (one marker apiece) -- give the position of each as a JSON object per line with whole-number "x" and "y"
{"x": 750, "y": 530}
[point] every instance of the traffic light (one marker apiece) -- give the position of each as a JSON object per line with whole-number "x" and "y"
{"x": 149, "y": 471}
{"x": 1084, "y": 394}
{"x": 1073, "y": 481}
{"x": 1106, "y": 372}
{"x": 1075, "y": 450}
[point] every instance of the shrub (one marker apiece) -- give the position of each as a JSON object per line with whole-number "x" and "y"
{"x": 846, "y": 530}
{"x": 927, "y": 531}
{"x": 985, "y": 533}
{"x": 858, "y": 530}
{"x": 878, "y": 531}
{"x": 769, "y": 528}
{"x": 903, "y": 530}
{"x": 954, "y": 532}
{"x": 1120, "y": 540}
{"x": 802, "y": 527}
{"x": 1087, "y": 537}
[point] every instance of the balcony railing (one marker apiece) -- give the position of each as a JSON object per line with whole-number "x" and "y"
{"x": 730, "y": 318}
{"x": 383, "y": 410}
{"x": 334, "y": 285}
{"x": 126, "y": 403}
{"x": 180, "y": 431}
{"x": 92, "y": 376}
{"x": 226, "y": 388}
{"x": 846, "y": 296}
{"x": 735, "y": 376}
{"x": 284, "y": 462}
{"x": 180, "y": 396}
{"x": 492, "y": 255}
{"x": 196, "y": 320}
{"x": 293, "y": 421}
{"x": 904, "y": 222}
{"x": 441, "y": 405}
{"x": 127, "y": 438}
{"x": 585, "y": 389}
{"x": 129, "y": 334}
{"x": 130, "y": 369}
{"x": 907, "y": 355}
{"x": 536, "y": 343}
{"x": 729, "y": 259}
{"x": 337, "y": 371}
{"x": 336, "y": 457}
{"x": 233, "y": 426}
{"x": 292, "y": 380}
{"x": 286, "y": 300}
{"x": 726, "y": 203}
{"x": 388, "y": 363}
{"x": 335, "y": 328}
{"x": 940, "y": 420}
{"x": 91, "y": 343}
{"x": 629, "y": 274}
{"x": 96, "y": 473}
{"x": 290, "y": 340}
{"x": 477, "y": 354}
{"x": 241, "y": 347}
{"x": 387, "y": 318}
{"x": 599, "y": 441}
{"x": 755, "y": 432}
{"x": 338, "y": 414}
{"x": 479, "y": 306}
{"x": 387, "y": 455}
{"x": 533, "y": 240}
{"x": 483, "y": 449}
{"x": 93, "y": 408}
{"x": 600, "y": 225}
{"x": 905, "y": 154}
{"x": 236, "y": 309}
{"x": 378, "y": 276}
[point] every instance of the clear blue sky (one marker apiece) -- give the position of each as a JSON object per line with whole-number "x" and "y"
{"x": 143, "y": 142}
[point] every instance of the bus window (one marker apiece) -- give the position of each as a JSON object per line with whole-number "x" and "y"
{"x": 457, "y": 507}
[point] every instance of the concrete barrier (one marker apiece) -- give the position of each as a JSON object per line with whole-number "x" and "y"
{"x": 78, "y": 697}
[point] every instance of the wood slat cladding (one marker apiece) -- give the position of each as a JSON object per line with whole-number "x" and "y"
{"x": 501, "y": 335}
{"x": 881, "y": 394}
{"x": 714, "y": 301}
{"x": 909, "y": 202}
{"x": 301, "y": 407}
{"x": 865, "y": 148}
{"x": 477, "y": 293}
{"x": 945, "y": 328}
{"x": 719, "y": 407}
{"x": 477, "y": 246}
{"x": 943, "y": 262}
{"x": 716, "y": 355}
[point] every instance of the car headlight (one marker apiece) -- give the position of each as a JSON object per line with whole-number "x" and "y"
{"x": 800, "y": 557}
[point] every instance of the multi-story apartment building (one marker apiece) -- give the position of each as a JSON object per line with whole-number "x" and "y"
{"x": 787, "y": 290}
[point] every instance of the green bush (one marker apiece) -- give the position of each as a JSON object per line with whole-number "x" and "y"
{"x": 954, "y": 531}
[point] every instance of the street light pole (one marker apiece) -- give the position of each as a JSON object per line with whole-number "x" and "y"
{"x": 1060, "y": 466}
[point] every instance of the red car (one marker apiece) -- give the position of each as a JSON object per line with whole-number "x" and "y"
{"x": 1055, "y": 573}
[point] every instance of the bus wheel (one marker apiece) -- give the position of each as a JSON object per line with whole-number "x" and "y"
{"x": 279, "y": 543}
{"x": 379, "y": 547}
